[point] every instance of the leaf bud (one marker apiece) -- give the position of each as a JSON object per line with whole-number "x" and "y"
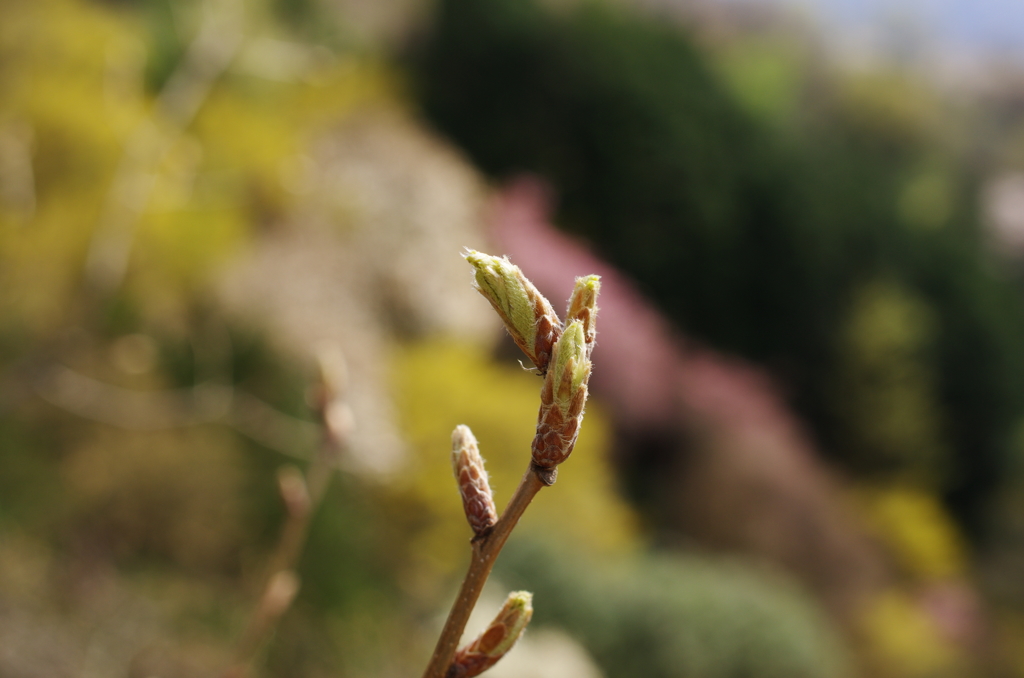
{"x": 527, "y": 315}
{"x": 468, "y": 465}
{"x": 562, "y": 398}
{"x": 495, "y": 642}
{"x": 583, "y": 307}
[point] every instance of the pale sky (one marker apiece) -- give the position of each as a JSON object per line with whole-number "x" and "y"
{"x": 976, "y": 28}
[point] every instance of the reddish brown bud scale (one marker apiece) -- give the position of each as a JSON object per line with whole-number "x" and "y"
{"x": 495, "y": 642}
{"x": 549, "y": 328}
{"x": 547, "y": 392}
{"x": 466, "y": 666}
{"x": 552, "y": 446}
{"x": 562, "y": 399}
{"x": 468, "y": 465}
{"x": 579, "y": 400}
{"x": 553, "y": 419}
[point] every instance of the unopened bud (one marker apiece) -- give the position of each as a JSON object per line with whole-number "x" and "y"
{"x": 468, "y": 466}
{"x": 333, "y": 370}
{"x": 335, "y": 413}
{"x": 339, "y": 421}
{"x": 279, "y": 594}
{"x": 527, "y": 315}
{"x": 562, "y": 399}
{"x": 583, "y": 307}
{"x": 292, "y": 485}
{"x": 497, "y": 640}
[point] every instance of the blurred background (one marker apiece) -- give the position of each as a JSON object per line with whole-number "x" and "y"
{"x": 804, "y": 454}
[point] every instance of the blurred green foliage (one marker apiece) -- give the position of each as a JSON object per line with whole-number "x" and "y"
{"x": 887, "y": 405}
{"x": 836, "y": 250}
{"x": 73, "y": 82}
{"x": 904, "y": 641}
{"x": 679, "y": 616}
{"x": 920, "y": 536}
{"x": 637, "y": 615}
{"x": 187, "y": 518}
{"x": 441, "y": 384}
{"x": 765, "y": 74}
{"x": 180, "y": 517}
{"x": 754, "y": 195}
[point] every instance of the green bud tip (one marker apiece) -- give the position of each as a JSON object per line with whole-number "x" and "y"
{"x": 491, "y": 645}
{"x": 583, "y": 306}
{"x": 570, "y": 353}
{"x": 586, "y": 290}
{"x": 527, "y": 315}
{"x": 508, "y": 625}
{"x": 501, "y": 282}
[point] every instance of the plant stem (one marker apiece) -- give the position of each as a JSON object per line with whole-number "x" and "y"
{"x": 285, "y": 558}
{"x": 485, "y": 553}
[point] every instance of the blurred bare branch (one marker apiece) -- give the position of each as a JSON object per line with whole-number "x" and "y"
{"x": 268, "y": 426}
{"x": 207, "y": 402}
{"x": 302, "y": 495}
{"x": 17, "y": 178}
{"x": 207, "y": 57}
{"x": 131, "y": 409}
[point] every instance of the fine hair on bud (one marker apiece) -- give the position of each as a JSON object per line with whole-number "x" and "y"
{"x": 468, "y": 466}
{"x": 528, "y": 316}
{"x": 495, "y": 642}
{"x": 562, "y": 399}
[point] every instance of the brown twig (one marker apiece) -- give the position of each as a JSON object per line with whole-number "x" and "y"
{"x": 485, "y": 552}
{"x": 302, "y": 495}
{"x": 562, "y": 356}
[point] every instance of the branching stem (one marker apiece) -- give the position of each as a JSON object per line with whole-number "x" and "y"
{"x": 283, "y": 561}
{"x": 485, "y": 553}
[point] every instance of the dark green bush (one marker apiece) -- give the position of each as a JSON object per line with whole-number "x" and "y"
{"x": 756, "y": 238}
